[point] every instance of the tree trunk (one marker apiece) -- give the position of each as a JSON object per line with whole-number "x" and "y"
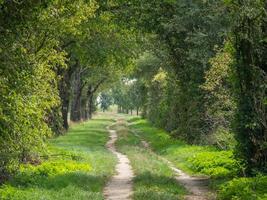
{"x": 250, "y": 124}
{"x": 64, "y": 92}
{"x": 55, "y": 121}
{"x": 90, "y": 96}
{"x": 84, "y": 109}
{"x": 77, "y": 94}
{"x": 65, "y": 112}
{"x": 91, "y": 105}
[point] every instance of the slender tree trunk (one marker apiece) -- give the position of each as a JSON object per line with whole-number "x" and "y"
{"x": 64, "y": 92}
{"x": 77, "y": 94}
{"x": 84, "y": 109}
{"x": 89, "y": 101}
{"x": 86, "y": 112}
{"x": 65, "y": 112}
{"x": 91, "y": 105}
{"x": 76, "y": 114}
{"x": 137, "y": 111}
{"x": 90, "y": 97}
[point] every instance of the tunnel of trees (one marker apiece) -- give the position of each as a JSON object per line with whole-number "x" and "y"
{"x": 194, "y": 68}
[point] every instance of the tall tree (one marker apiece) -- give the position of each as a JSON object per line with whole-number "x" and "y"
{"x": 30, "y": 54}
{"x": 249, "y": 38}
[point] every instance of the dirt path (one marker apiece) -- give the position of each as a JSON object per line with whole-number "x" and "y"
{"x": 120, "y": 186}
{"x": 197, "y": 186}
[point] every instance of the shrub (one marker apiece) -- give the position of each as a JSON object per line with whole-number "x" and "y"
{"x": 216, "y": 164}
{"x": 245, "y": 189}
{"x": 28, "y": 174}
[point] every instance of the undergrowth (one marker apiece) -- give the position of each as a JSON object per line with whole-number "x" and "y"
{"x": 221, "y": 166}
{"x": 245, "y": 189}
{"x": 193, "y": 159}
{"x": 76, "y": 166}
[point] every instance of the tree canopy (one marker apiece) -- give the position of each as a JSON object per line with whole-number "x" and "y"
{"x": 194, "y": 68}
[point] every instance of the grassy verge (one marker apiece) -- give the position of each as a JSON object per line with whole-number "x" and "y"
{"x": 154, "y": 180}
{"x": 203, "y": 160}
{"x": 76, "y": 166}
{"x": 193, "y": 159}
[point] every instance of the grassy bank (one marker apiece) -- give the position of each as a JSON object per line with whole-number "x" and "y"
{"x": 193, "y": 159}
{"x": 154, "y": 180}
{"x": 76, "y": 166}
{"x": 221, "y": 166}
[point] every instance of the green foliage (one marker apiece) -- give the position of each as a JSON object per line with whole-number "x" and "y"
{"x": 245, "y": 189}
{"x": 183, "y": 43}
{"x": 214, "y": 53}
{"x": 31, "y": 35}
{"x": 100, "y": 54}
{"x": 43, "y": 45}
{"x": 193, "y": 159}
{"x": 204, "y": 160}
{"x": 217, "y": 164}
{"x": 105, "y": 101}
{"x": 222, "y": 138}
{"x": 29, "y": 173}
{"x": 127, "y": 95}
{"x": 76, "y": 166}
{"x": 196, "y": 69}
{"x": 220, "y": 100}
{"x": 250, "y": 81}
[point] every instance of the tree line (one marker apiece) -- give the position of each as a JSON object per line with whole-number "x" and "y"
{"x": 195, "y": 68}
{"x": 55, "y": 56}
{"x": 203, "y": 74}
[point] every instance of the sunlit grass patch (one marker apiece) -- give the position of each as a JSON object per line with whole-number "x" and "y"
{"x": 193, "y": 159}
{"x": 76, "y": 166}
{"x": 153, "y": 180}
{"x": 29, "y": 174}
{"x": 221, "y": 166}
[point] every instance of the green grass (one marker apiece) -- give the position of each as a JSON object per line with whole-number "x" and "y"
{"x": 154, "y": 180}
{"x": 219, "y": 165}
{"x": 193, "y": 159}
{"x": 76, "y": 166}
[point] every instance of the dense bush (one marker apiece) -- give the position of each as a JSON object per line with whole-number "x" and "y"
{"x": 245, "y": 189}
{"x": 29, "y": 173}
{"x": 33, "y": 175}
{"x": 217, "y": 164}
